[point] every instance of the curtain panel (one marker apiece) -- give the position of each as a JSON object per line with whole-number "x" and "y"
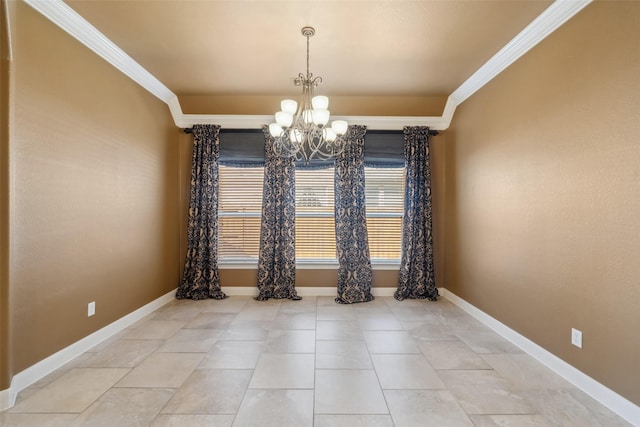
{"x": 200, "y": 279}
{"x": 352, "y": 244}
{"x": 417, "y": 278}
{"x": 277, "y": 256}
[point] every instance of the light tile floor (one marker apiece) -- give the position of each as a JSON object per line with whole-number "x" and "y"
{"x": 240, "y": 362}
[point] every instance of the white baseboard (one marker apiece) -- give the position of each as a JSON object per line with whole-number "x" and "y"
{"x": 240, "y": 291}
{"x": 609, "y": 398}
{"x": 618, "y": 404}
{"x": 383, "y": 292}
{"x": 32, "y": 374}
{"x": 24, "y": 379}
{"x": 7, "y": 399}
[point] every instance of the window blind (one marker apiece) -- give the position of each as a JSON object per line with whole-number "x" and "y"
{"x": 245, "y": 148}
{"x": 239, "y": 212}
{"x": 315, "y": 225}
{"x": 384, "y": 190}
{"x": 240, "y": 208}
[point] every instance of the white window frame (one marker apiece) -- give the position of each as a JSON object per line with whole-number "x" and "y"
{"x": 305, "y": 263}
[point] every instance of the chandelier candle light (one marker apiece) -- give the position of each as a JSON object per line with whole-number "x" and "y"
{"x": 301, "y": 129}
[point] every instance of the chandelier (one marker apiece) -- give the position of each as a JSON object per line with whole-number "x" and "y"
{"x": 301, "y": 128}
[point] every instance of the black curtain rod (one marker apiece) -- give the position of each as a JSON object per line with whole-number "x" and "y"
{"x": 431, "y": 132}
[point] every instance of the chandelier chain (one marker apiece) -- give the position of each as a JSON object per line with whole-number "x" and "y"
{"x": 308, "y": 76}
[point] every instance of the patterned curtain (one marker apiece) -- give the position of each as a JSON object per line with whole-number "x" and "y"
{"x": 200, "y": 278}
{"x": 352, "y": 244}
{"x": 277, "y": 257}
{"x": 417, "y": 278}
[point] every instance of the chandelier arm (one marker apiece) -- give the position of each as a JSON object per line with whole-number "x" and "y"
{"x": 307, "y": 137}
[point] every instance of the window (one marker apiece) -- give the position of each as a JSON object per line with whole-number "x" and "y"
{"x": 239, "y": 211}
{"x": 315, "y": 226}
{"x": 384, "y": 190}
{"x": 240, "y": 206}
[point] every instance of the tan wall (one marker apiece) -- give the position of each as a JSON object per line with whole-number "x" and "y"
{"x": 542, "y": 195}
{"x": 339, "y": 105}
{"x": 324, "y": 278}
{"x": 437, "y": 147}
{"x": 185, "y": 152}
{"x": 4, "y": 200}
{"x": 94, "y": 193}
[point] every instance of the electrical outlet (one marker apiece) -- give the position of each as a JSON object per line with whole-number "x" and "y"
{"x": 91, "y": 309}
{"x": 576, "y": 337}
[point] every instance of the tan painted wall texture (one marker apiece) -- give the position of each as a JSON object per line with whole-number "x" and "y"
{"x": 94, "y": 193}
{"x": 340, "y": 105}
{"x": 543, "y": 195}
{"x": 4, "y": 198}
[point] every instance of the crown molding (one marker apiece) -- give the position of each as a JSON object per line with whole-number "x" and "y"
{"x": 447, "y": 113}
{"x": 548, "y": 21}
{"x": 7, "y": 21}
{"x": 231, "y": 121}
{"x": 79, "y": 28}
{"x": 176, "y": 112}
{"x": 257, "y": 121}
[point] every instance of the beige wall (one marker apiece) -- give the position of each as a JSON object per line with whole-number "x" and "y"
{"x": 340, "y": 105}
{"x": 437, "y": 150}
{"x": 94, "y": 193}
{"x": 542, "y": 195}
{"x": 4, "y": 199}
{"x": 324, "y": 278}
